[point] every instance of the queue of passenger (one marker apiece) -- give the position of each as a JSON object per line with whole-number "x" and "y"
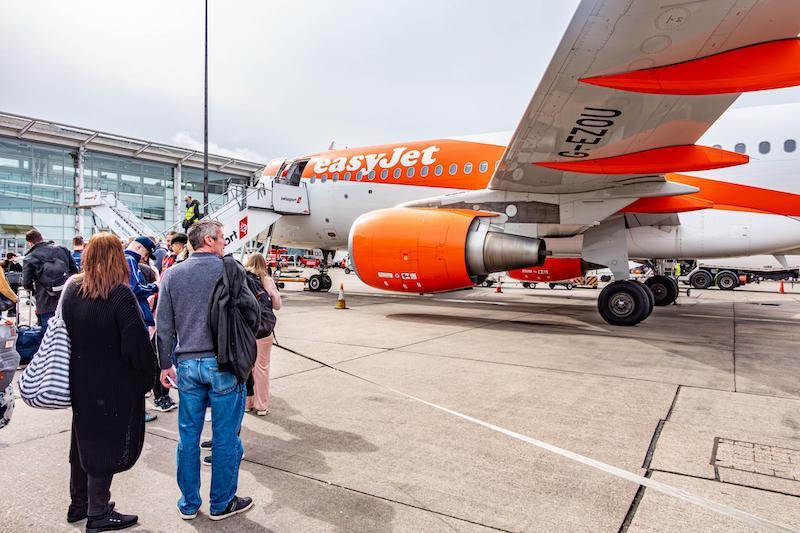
{"x": 127, "y": 320}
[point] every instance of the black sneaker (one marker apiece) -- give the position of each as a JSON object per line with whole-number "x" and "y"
{"x": 76, "y": 515}
{"x": 165, "y": 404}
{"x": 207, "y": 459}
{"x": 237, "y": 505}
{"x": 111, "y": 522}
{"x": 206, "y": 445}
{"x": 149, "y": 417}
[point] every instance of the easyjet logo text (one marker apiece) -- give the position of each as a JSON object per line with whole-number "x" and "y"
{"x": 369, "y": 162}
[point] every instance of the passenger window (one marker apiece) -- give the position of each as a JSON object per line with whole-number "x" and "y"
{"x": 739, "y": 148}
{"x": 717, "y": 146}
{"x": 313, "y": 179}
{"x": 438, "y": 170}
{"x": 324, "y": 178}
{"x": 763, "y": 147}
{"x": 423, "y": 171}
{"x": 384, "y": 174}
{"x": 789, "y": 145}
{"x": 484, "y": 166}
{"x": 410, "y": 172}
{"x": 371, "y": 175}
{"x": 347, "y": 176}
{"x": 453, "y": 169}
{"x": 359, "y": 176}
{"x": 335, "y": 177}
{"x": 397, "y": 172}
{"x": 467, "y": 168}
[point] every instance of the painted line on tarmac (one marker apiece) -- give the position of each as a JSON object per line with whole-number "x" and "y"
{"x": 720, "y": 508}
{"x": 466, "y": 301}
{"x": 751, "y": 319}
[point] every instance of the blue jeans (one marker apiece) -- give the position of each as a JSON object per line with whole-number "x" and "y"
{"x": 43, "y": 318}
{"x": 200, "y": 383}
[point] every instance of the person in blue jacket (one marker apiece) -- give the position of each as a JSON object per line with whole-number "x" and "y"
{"x": 139, "y": 248}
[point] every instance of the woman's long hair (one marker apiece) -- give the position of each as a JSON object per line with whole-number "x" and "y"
{"x": 257, "y": 265}
{"x": 104, "y": 266}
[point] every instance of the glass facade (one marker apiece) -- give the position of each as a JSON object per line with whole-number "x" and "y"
{"x": 37, "y": 189}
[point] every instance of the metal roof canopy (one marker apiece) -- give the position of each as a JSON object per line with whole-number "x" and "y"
{"x": 33, "y": 129}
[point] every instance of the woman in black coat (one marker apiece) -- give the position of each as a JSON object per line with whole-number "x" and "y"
{"x": 112, "y": 365}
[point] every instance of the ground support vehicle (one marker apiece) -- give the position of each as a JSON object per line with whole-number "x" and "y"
{"x": 735, "y": 272}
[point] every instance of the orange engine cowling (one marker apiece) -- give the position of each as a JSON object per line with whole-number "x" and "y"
{"x": 553, "y": 269}
{"x": 434, "y": 250}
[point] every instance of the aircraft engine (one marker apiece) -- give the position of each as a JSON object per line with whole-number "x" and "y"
{"x": 434, "y": 250}
{"x": 553, "y": 269}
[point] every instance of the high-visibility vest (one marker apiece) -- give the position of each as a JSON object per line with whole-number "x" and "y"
{"x": 190, "y": 211}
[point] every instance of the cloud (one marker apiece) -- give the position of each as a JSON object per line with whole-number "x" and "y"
{"x": 185, "y": 140}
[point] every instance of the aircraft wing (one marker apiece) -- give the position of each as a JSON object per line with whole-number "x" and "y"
{"x": 633, "y": 85}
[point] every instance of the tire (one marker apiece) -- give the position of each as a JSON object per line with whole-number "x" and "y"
{"x": 552, "y": 285}
{"x": 727, "y": 280}
{"x": 526, "y": 285}
{"x": 347, "y": 270}
{"x": 664, "y": 289}
{"x": 315, "y": 283}
{"x": 701, "y": 279}
{"x": 624, "y": 303}
{"x": 569, "y": 286}
{"x": 281, "y": 285}
{"x": 532, "y": 285}
{"x": 651, "y": 299}
{"x": 327, "y": 282}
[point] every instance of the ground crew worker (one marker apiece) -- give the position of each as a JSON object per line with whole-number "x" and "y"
{"x": 677, "y": 270}
{"x": 192, "y": 212}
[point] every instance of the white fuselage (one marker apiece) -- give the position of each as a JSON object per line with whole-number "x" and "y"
{"x": 334, "y": 206}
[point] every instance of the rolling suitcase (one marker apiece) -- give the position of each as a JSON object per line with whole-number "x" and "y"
{"x": 28, "y": 340}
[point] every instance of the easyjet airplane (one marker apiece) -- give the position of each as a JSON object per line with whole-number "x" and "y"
{"x": 608, "y": 163}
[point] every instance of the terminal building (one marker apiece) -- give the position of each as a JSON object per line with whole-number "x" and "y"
{"x": 44, "y": 166}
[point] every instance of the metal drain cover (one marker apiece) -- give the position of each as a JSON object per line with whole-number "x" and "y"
{"x": 744, "y": 456}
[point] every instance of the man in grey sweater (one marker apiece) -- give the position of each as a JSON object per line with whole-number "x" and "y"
{"x": 183, "y": 312}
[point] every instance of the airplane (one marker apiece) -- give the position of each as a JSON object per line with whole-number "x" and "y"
{"x": 608, "y": 163}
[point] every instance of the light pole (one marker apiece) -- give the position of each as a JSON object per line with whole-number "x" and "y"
{"x": 205, "y": 124}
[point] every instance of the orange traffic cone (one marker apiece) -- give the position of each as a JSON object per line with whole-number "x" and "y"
{"x": 340, "y": 303}
{"x": 499, "y": 285}
{"x": 782, "y": 290}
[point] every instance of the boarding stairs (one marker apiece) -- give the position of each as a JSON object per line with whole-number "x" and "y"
{"x": 250, "y": 213}
{"x": 114, "y": 214}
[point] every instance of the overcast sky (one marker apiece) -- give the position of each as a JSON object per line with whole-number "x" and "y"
{"x": 286, "y": 77}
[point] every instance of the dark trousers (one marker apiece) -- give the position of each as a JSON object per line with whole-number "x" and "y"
{"x": 86, "y": 490}
{"x": 43, "y": 318}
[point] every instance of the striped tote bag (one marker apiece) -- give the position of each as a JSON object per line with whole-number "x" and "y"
{"x": 44, "y": 383}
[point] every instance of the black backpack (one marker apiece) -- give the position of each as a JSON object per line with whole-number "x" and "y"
{"x": 234, "y": 317}
{"x": 267, "y": 317}
{"x": 53, "y": 271}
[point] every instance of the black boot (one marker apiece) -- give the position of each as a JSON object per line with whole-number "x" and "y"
{"x": 110, "y": 522}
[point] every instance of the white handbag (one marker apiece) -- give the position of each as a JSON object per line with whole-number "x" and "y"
{"x": 44, "y": 383}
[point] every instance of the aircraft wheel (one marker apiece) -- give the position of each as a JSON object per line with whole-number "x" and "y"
{"x": 650, "y": 297}
{"x": 664, "y": 289}
{"x": 701, "y": 279}
{"x": 327, "y": 282}
{"x": 624, "y": 303}
{"x": 315, "y": 283}
{"x": 727, "y": 280}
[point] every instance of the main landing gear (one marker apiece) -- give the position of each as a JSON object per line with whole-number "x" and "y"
{"x": 665, "y": 289}
{"x": 625, "y": 303}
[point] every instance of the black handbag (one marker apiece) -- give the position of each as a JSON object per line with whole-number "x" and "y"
{"x": 14, "y": 278}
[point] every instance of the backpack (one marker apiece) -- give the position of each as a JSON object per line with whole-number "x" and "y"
{"x": 53, "y": 272}
{"x": 267, "y": 319}
{"x": 234, "y": 317}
